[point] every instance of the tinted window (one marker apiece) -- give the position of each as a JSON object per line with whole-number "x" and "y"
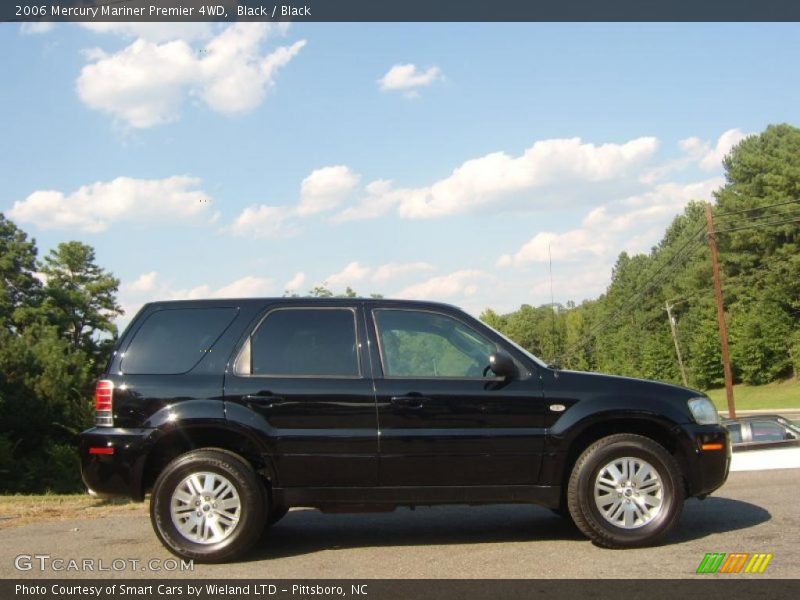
{"x": 173, "y": 341}
{"x": 305, "y": 342}
{"x": 736, "y": 433}
{"x": 423, "y": 344}
{"x": 767, "y": 431}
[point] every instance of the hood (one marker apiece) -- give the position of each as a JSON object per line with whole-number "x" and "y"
{"x": 616, "y": 382}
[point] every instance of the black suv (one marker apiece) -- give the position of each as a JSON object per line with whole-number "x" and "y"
{"x": 231, "y": 411}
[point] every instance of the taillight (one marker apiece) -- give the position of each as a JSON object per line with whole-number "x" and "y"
{"x": 103, "y": 399}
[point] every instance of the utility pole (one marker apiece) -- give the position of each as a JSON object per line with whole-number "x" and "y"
{"x": 674, "y": 331}
{"x": 723, "y": 329}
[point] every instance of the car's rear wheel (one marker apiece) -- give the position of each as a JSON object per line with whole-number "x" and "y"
{"x": 625, "y": 491}
{"x": 208, "y": 505}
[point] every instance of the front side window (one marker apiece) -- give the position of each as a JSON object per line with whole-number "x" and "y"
{"x": 302, "y": 342}
{"x": 425, "y": 344}
{"x": 767, "y": 431}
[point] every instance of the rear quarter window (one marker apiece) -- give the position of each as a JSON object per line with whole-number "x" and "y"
{"x": 173, "y": 341}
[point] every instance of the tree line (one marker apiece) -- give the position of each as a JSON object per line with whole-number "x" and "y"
{"x": 56, "y": 331}
{"x": 57, "y": 313}
{"x": 626, "y": 330}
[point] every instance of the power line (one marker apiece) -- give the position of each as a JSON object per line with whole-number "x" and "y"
{"x": 723, "y": 215}
{"x": 761, "y": 225}
{"x": 667, "y": 268}
{"x": 755, "y": 222}
{"x": 764, "y": 217}
{"x": 685, "y": 299}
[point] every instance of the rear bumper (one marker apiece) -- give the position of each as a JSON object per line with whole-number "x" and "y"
{"x": 112, "y": 460}
{"x": 705, "y": 470}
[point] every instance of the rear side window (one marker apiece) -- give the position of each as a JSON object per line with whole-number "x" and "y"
{"x": 172, "y": 341}
{"x": 302, "y": 342}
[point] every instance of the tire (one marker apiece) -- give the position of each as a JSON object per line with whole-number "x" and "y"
{"x": 276, "y": 513}
{"x": 214, "y": 530}
{"x": 650, "y": 506}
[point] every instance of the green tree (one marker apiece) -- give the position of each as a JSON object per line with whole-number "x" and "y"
{"x": 53, "y": 339}
{"x": 19, "y": 288}
{"x": 759, "y": 348}
{"x": 46, "y": 389}
{"x": 80, "y": 297}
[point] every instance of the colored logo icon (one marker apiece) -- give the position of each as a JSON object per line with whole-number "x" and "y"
{"x": 733, "y": 563}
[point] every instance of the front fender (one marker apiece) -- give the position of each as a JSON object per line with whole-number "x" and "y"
{"x": 583, "y": 415}
{"x": 585, "y": 422}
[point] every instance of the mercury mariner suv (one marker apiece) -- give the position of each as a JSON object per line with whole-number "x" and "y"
{"x": 230, "y": 412}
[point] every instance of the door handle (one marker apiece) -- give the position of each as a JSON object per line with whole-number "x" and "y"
{"x": 414, "y": 402}
{"x": 263, "y": 399}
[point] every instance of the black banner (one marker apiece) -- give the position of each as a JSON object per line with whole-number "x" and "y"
{"x": 383, "y": 589}
{"x": 400, "y": 10}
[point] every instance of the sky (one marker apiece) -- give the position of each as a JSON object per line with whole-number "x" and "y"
{"x": 435, "y": 161}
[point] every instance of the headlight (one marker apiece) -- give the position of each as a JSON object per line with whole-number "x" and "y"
{"x": 704, "y": 411}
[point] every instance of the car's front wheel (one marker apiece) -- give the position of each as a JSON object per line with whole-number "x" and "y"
{"x": 625, "y": 491}
{"x": 208, "y": 505}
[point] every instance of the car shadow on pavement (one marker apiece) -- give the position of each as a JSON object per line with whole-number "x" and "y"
{"x": 309, "y": 531}
{"x": 717, "y": 515}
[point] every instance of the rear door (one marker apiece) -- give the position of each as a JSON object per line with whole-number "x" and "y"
{"x": 301, "y": 378}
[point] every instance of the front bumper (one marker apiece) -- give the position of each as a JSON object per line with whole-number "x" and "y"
{"x": 113, "y": 460}
{"x": 705, "y": 470}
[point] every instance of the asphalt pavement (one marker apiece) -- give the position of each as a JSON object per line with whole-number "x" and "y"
{"x": 753, "y": 512}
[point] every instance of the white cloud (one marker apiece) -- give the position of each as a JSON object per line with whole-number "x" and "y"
{"x": 36, "y": 27}
{"x": 296, "y": 282}
{"x": 152, "y": 31}
{"x": 634, "y": 224}
{"x": 571, "y": 245}
{"x": 710, "y": 157}
{"x": 407, "y": 78}
{"x": 145, "y": 283}
{"x": 144, "y": 84}
{"x": 246, "y": 287}
{"x": 149, "y": 287}
{"x": 95, "y": 207}
{"x": 465, "y": 282}
{"x": 351, "y": 274}
{"x": 263, "y": 221}
{"x": 321, "y": 191}
{"x": 325, "y": 188}
{"x": 482, "y": 181}
{"x": 394, "y": 270}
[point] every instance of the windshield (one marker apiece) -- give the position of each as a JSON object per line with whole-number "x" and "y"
{"x": 793, "y": 425}
{"x": 534, "y": 358}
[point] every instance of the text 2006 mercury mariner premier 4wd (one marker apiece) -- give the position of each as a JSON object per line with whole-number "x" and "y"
{"x": 229, "y": 412}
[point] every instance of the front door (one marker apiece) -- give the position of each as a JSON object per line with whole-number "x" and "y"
{"x": 444, "y": 418}
{"x": 300, "y": 378}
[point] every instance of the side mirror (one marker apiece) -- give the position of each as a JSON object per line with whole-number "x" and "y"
{"x": 502, "y": 364}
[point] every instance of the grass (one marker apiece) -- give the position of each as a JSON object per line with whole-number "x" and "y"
{"x": 777, "y": 395}
{"x": 17, "y": 510}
